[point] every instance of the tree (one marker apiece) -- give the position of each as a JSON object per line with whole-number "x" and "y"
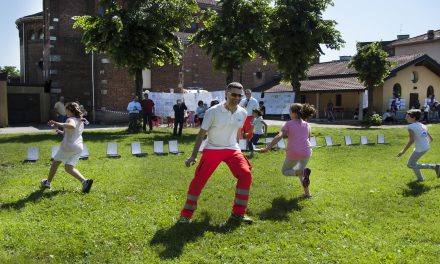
{"x": 296, "y": 32}
{"x": 236, "y": 34}
{"x": 139, "y": 34}
{"x": 12, "y": 71}
{"x": 372, "y": 66}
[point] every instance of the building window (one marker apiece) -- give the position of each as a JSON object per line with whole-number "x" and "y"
{"x": 32, "y": 35}
{"x": 338, "y": 99}
{"x": 430, "y": 91}
{"x": 40, "y": 34}
{"x": 397, "y": 90}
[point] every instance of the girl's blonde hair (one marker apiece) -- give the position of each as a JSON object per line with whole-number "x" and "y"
{"x": 304, "y": 111}
{"x": 74, "y": 108}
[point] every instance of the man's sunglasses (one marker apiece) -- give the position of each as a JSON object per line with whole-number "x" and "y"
{"x": 236, "y": 95}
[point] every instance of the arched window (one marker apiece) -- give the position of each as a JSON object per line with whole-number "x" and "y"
{"x": 40, "y": 34}
{"x": 430, "y": 91}
{"x": 32, "y": 35}
{"x": 397, "y": 90}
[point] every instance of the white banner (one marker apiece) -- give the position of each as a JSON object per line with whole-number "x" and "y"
{"x": 278, "y": 103}
{"x": 275, "y": 103}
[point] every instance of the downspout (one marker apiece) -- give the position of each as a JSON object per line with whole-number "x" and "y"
{"x": 93, "y": 88}
{"x": 24, "y": 56}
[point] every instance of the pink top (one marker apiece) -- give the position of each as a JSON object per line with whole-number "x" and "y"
{"x": 298, "y": 146}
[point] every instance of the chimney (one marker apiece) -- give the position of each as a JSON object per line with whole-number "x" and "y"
{"x": 344, "y": 58}
{"x": 430, "y": 34}
{"x": 399, "y": 37}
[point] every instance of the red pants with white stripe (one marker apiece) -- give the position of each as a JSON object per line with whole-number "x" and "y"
{"x": 240, "y": 168}
{"x": 247, "y": 128}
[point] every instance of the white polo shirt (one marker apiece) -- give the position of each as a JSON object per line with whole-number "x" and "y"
{"x": 249, "y": 105}
{"x": 223, "y": 126}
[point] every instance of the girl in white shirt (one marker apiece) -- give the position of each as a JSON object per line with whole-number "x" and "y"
{"x": 70, "y": 148}
{"x": 419, "y": 135}
{"x": 259, "y": 129}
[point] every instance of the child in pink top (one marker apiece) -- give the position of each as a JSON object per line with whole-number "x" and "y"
{"x": 298, "y": 149}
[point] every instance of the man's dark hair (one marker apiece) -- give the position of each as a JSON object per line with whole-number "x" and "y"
{"x": 234, "y": 85}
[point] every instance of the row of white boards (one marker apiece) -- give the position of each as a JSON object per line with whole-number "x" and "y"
{"x": 173, "y": 148}
{"x": 112, "y": 150}
{"x": 348, "y": 141}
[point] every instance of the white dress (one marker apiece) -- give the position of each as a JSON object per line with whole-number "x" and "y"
{"x": 72, "y": 144}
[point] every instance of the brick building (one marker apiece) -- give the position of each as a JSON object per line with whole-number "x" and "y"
{"x": 56, "y": 54}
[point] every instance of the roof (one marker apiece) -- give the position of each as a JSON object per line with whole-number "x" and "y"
{"x": 346, "y": 84}
{"x": 36, "y": 16}
{"x": 332, "y": 68}
{"x": 337, "y": 76}
{"x": 419, "y": 59}
{"x": 417, "y": 39}
{"x": 39, "y": 14}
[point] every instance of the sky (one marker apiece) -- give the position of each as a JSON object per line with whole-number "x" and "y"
{"x": 358, "y": 20}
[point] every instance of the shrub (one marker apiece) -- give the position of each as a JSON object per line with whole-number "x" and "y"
{"x": 372, "y": 120}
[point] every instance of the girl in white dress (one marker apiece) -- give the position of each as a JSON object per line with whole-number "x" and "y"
{"x": 71, "y": 147}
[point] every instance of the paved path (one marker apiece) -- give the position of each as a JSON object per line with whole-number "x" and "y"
{"x": 41, "y": 128}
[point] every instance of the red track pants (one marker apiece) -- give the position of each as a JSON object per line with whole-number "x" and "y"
{"x": 240, "y": 168}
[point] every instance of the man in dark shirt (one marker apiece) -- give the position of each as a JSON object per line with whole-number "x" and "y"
{"x": 147, "y": 113}
{"x": 179, "y": 118}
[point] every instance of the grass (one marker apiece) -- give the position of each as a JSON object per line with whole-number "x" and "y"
{"x": 367, "y": 208}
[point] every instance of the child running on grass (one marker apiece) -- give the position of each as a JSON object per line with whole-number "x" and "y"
{"x": 298, "y": 150}
{"x": 259, "y": 129}
{"x": 71, "y": 147}
{"x": 419, "y": 135}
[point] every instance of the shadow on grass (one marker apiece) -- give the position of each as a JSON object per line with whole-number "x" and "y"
{"x": 415, "y": 188}
{"x": 175, "y": 237}
{"x": 31, "y": 198}
{"x": 280, "y": 209}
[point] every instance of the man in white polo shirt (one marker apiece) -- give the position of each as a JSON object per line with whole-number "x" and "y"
{"x": 222, "y": 123}
{"x": 250, "y": 104}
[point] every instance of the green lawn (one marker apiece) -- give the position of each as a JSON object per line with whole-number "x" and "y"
{"x": 366, "y": 206}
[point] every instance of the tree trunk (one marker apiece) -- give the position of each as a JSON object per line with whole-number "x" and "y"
{"x": 138, "y": 82}
{"x": 296, "y": 89}
{"x": 229, "y": 76}
{"x": 370, "y": 100}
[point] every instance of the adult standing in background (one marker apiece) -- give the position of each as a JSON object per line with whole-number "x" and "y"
{"x": 60, "y": 111}
{"x": 133, "y": 108}
{"x": 200, "y": 111}
{"x": 179, "y": 116}
{"x": 147, "y": 113}
{"x": 250, "y": 104}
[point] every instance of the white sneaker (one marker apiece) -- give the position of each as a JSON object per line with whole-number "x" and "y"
{"x": 45, "y": 184}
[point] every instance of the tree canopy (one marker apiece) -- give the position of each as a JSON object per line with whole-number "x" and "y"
{"x": 12, "y": 71}
{"x": 296, "y": 32}
{"x": 139, "y": 34}
{"x": 236, "y": 34}
{"x": 372, "y": 66}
